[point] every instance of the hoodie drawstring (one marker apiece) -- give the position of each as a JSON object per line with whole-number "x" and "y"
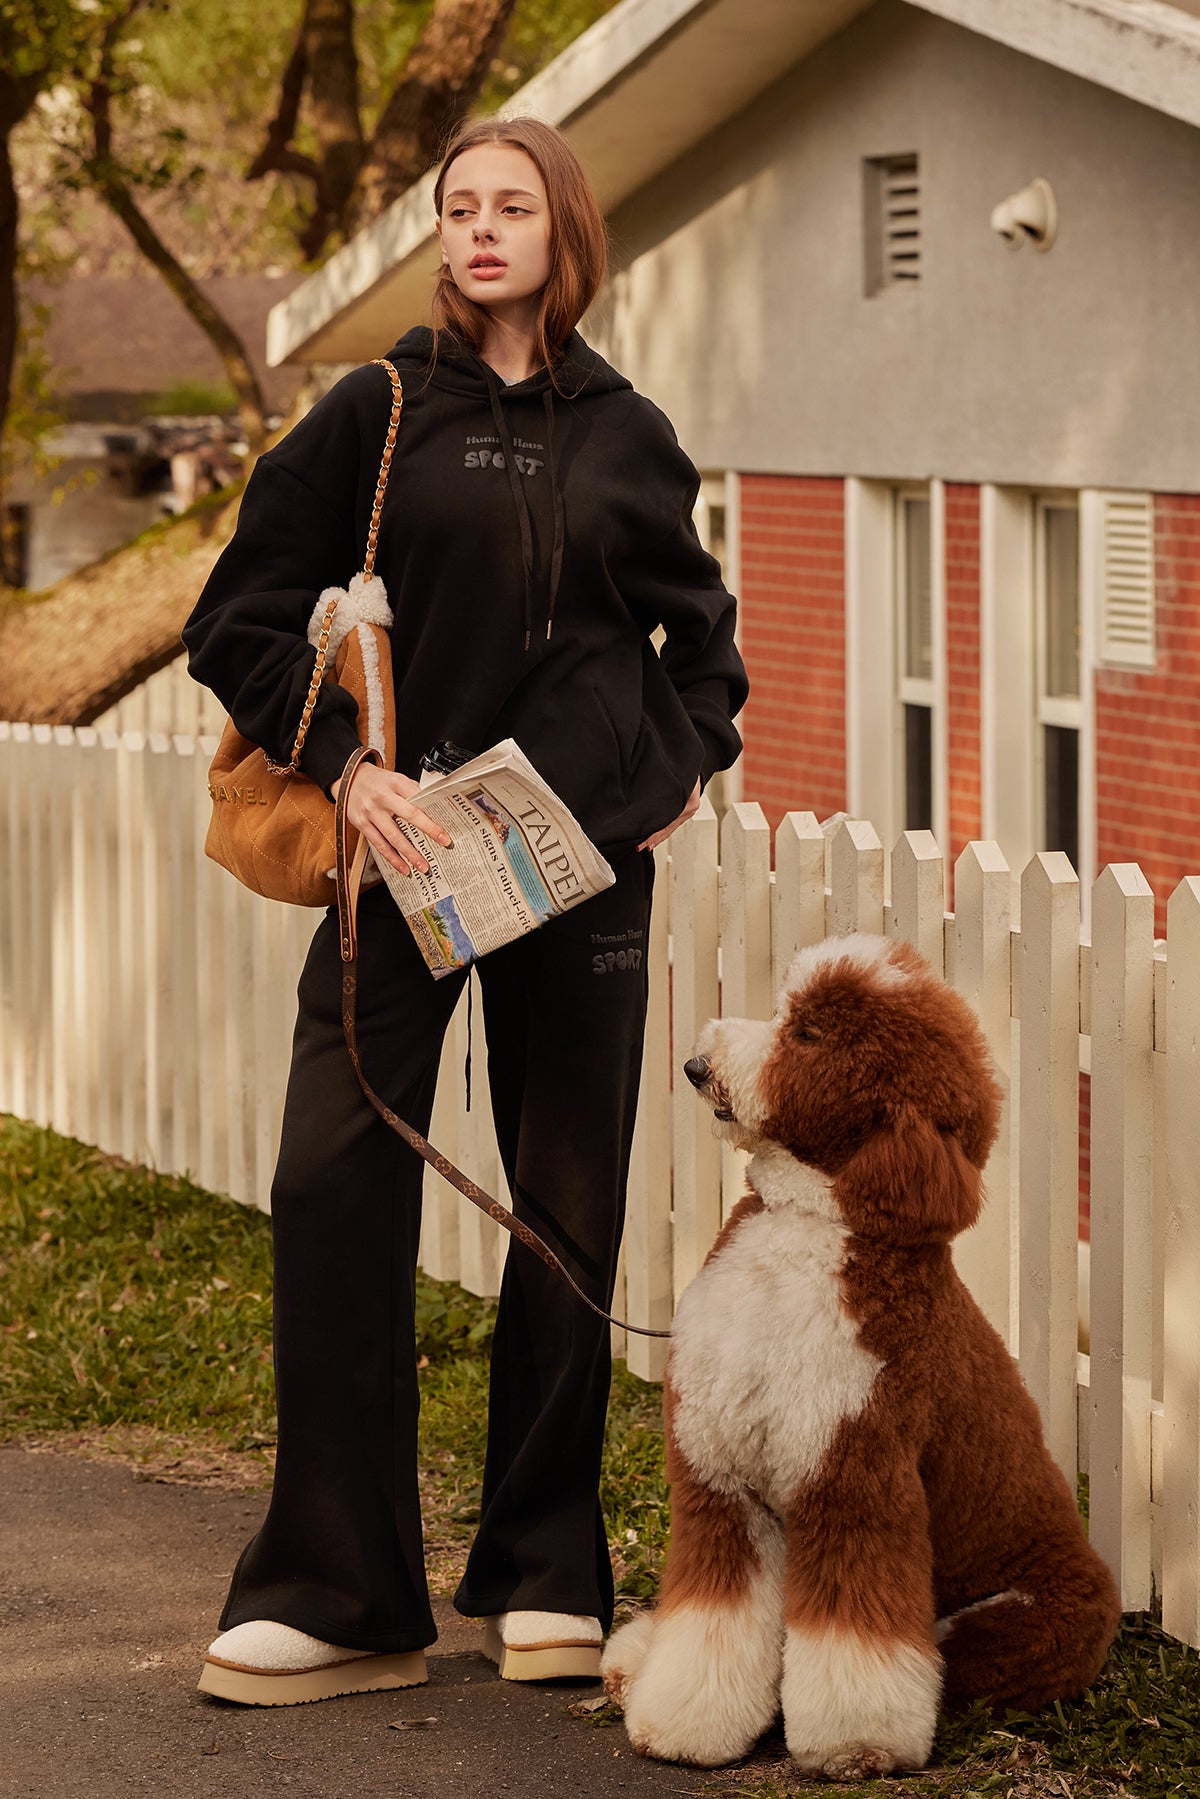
{"x": 560, "y": 520}
{"x": 518, "y": 498}
{"x": 521, "y": 505}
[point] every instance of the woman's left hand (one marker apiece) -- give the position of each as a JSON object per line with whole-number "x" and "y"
{"x": 689, "y": 811}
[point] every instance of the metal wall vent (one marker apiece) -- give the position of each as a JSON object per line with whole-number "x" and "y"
{"x": 1126, "y": 567}
{"x": 892, "y": 207}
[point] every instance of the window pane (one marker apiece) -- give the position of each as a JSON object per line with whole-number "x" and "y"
{"x": 916, "y": 576}
{"x": 1061, "y": 761}
{"x": 1061, "y": 578}
{"x": 918, "y": 768}
{"x": 716, "y": 533}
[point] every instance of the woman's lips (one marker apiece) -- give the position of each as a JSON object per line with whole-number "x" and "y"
{"x": 488, "y": 271}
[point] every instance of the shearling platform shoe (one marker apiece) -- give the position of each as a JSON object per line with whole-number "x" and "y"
{"x": 263, "y": 1663}
{"x": 544, "y": 1645}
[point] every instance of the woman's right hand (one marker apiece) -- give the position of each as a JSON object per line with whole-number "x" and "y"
{"x": 380, "y": 805}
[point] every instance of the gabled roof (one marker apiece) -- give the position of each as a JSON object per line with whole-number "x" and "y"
{"x": 652, "y": 78}
{"x": 118, "y": 342}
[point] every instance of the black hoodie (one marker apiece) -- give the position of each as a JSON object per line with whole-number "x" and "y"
{"x": 532, "y": 539}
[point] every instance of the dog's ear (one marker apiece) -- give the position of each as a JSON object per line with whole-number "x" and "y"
{"x": 909, "y": 1183}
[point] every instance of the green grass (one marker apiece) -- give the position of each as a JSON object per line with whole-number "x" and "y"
{"x": 127, "y": 1297}
{"x": 132, "y": 1302}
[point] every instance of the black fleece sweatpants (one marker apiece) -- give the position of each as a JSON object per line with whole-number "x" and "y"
{"x": 340, "y": 1552}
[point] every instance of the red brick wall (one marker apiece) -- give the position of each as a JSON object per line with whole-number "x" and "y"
{"x": 962, "y": 665}
{"x": 1148, "y": 725}
{"x": 793, "y": 613}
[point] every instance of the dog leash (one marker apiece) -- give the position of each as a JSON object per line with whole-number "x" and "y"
{"x": 349, "y": 882}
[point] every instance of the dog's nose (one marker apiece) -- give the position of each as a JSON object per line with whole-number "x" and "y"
{"x": 697, "y": 1070}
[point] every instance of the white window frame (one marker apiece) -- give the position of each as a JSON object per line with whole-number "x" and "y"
{"x": 1013, "y": 709}
{"x": 875, "y": 688}
{"x": 912, "y": 690}
{"x": 724, "y": 489}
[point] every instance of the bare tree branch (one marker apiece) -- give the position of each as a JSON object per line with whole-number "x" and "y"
{"x": 324, "y": 58}
{"x": 282, "y": 128}
{"x": 17, "y": 94}
{"x": 114, "y": 188}
{"x": 440, "y": 80}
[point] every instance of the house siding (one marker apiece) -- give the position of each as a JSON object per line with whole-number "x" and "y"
{"x": 964, "y": 775}
{"x": 1148, "y": 725}
{"x": 793, "y": 572}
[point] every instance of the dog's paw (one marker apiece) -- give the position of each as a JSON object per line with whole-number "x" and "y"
{"x": 708, "y": 1685}
{"x": 849, "y": 1762}
{"x": 623, "y": 1656}
{"x": 854, "y": 1709}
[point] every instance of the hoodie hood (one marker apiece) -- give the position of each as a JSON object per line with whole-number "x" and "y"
{"x": 447, "y": 363}
{"x": 579, "y": 371}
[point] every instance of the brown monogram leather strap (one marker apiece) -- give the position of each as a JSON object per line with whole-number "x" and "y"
{"x": 368, "y": 569}
{"x": 349, "y": 881}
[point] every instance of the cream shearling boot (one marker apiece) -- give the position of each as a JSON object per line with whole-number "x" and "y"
{"x": 264, "y": 1663}
{"x": 544, "y": 1645}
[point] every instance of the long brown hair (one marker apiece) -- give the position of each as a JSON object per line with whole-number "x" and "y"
{"x": 578, "y": 240}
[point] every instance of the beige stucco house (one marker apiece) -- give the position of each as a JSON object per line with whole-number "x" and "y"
{"x": 956, "y": 480}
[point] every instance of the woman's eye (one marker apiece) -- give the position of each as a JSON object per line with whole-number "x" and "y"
{"x": 520, "y": 209}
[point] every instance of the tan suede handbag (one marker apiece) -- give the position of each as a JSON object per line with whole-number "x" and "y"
{"x": 272, "y": 826}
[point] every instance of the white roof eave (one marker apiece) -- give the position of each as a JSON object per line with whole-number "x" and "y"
{"x": 633, "y": 94}
{"x": 1144, "y": 49}
{"x": 652, "y": 77}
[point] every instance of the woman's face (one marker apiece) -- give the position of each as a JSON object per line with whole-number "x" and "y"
{"x": 495, "y": 225}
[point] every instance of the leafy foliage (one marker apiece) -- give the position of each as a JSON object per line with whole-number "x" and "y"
{"x": 34, "y": 409}
{"x": 39, "y": 38}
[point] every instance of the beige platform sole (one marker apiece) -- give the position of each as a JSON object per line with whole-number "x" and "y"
{"x": 542, "y": 1661}
{"x": 259, "y": 1686}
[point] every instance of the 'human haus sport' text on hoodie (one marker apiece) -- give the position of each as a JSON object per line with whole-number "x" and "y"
{"x": 531, "y": 541}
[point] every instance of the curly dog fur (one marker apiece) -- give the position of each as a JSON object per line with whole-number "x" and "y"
{"x": 866, "y": 1524}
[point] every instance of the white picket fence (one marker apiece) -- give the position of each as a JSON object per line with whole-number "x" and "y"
{"x": 146, "y": 1006}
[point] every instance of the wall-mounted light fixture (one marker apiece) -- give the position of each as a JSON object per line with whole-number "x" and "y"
{"x": 1030, "y": 216}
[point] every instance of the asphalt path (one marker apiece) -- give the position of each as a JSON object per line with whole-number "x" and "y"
{"x": 110, "y": 1586}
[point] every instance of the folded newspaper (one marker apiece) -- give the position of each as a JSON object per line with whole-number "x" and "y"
{"x": 517, "y": 859}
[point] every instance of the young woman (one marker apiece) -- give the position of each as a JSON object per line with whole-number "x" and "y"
{"x": 537, "y": 529}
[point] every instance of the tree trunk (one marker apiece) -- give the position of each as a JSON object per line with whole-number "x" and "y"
{"x": 9, "y": 575}
{"x": 16, "y": 97}
{"x": 282, "y": 128}
{"x": 333, "y": 96}
{"x": 441, "y": 79}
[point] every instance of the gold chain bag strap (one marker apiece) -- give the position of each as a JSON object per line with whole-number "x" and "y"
{"x": 271, "y": 826}
{"x": 349, "y": 881}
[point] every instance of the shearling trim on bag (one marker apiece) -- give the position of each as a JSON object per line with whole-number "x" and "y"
{"x": 364, "y": 602}
{"x": 374, "y": 685}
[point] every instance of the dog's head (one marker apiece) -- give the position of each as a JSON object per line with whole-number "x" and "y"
{"x": 872, "y": 1071}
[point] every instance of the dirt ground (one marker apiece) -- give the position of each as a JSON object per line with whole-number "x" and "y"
{"x": 110, "y": 1586}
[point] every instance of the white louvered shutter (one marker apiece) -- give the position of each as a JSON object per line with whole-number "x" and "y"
{"x": 1124, "y": 523}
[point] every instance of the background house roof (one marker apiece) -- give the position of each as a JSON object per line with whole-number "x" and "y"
{"x": 653, "y": 78}
{"x": 118, "y": 344}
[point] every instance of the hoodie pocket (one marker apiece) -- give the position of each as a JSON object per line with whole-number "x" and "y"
{"x": 620, "y": 751}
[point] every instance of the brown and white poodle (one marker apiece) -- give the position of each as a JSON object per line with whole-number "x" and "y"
{"x": 865, "y": 1521}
